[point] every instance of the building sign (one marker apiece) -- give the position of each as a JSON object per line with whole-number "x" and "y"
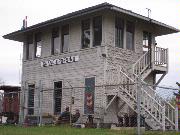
{"x": 64, "y": 60}
{"x": 89, "y": 95}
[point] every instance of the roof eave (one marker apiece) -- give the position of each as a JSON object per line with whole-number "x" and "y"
{"x": 57, "y": 20}
{"x": 20, "y": 34}
{"x": 128, "y": 12}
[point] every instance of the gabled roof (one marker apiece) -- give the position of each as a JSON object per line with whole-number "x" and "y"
{"x": 19, "y": 35}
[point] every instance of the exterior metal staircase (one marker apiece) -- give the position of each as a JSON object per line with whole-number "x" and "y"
{"x": 158, "y": 113}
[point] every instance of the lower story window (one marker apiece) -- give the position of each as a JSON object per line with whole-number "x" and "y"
{"x": 57, "y": 97}
{"x": 31, "y": 89}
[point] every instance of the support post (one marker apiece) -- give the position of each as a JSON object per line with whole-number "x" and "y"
{"x": 176, "y": 118}
{"x": 152, "y": 56}
{"x": 138, "y": 105}
{"x": 163, "y": 119}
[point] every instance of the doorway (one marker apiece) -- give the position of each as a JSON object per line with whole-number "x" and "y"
{"x": 147, "y": 42}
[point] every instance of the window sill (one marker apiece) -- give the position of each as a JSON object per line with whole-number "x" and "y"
{"x": 64, "y": 53}
{"x": 126, "y": 49}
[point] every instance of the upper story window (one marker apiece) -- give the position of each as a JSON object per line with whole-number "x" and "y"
{"x": 55, "y": 48}
{"x": 38, "y": 45}
{"x": 119, "y": 32}
{"x": 65, "y": 38}
{"x": 130, "y": 35}
{"x": 29, "y": 47}
{"x": 97, "y": 30}
{"x": 86, "y": 33}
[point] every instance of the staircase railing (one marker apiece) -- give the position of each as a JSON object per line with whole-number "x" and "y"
{"x": 160, "y": 56}
{"x": 169, "y": 109}
{"x": 118, "y": 79}
{"x": 142, "y": 64}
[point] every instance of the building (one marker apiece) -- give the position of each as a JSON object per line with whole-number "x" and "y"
{"x": 84, "y": 56}
{"x": 10, "y": 102}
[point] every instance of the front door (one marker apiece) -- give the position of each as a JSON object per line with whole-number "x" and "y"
{"x": 147, "y": 41}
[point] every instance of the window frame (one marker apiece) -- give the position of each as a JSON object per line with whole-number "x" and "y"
{"x": 37, "y": 40}
{"x": 122, "y": 28}
{"x": 94, "y": 26}
{"x": 29, "y": 41}
{"x": 54, "y": 35}
{"x": 82, "y": 33}
{"x": 132, "y": 31}
{"x": 63, "y": 33}
{"x": 54, "y": 97}
{"x": 31, "y": 87}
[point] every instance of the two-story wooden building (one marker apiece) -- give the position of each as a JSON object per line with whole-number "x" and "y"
{"x": 100, "y": 47}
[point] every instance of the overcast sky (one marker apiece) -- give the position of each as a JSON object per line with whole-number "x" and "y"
{"x": 12, "y": 12}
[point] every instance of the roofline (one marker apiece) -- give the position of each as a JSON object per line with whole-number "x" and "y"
{"x": 62, "y": 18}
{"x": 129, "y": 12}
{"x": 87, "y": 11}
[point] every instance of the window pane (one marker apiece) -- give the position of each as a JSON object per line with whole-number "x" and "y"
{"x": 145, "y": 38}
{"x": 86, "y": 33}
{"x": 30, "y": 51}
{"x": 57, "y": 97}
{"x": 38, "y": 49}
{"x": 129, "y": 40}
{"x": 130, "y": 36}
{"x": 31, "y": 99}
{"x": 55, "y": 41}
{"x": 145, "y": 41}
{"x": 56, "y": 45}
{"x": 97, "y": 30}
{"x": 29, "y": 47}
{"x": 65, "y": 38}
{"x": 38, "y": 45}
{"x": 119, "y": 28}
{"x": 66, "y": 43}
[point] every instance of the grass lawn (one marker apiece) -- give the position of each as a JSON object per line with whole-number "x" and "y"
{"x": 62, "y": 130}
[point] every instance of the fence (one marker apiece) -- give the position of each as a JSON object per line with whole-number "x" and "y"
{"x": 119, "y": 107}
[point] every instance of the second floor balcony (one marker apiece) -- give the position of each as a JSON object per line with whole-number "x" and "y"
{"x": 155, "y": 59}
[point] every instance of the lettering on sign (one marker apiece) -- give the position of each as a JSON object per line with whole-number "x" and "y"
{"x": 64, "y": 60}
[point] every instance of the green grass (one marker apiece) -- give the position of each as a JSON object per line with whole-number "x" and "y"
{"x": 62, "y": 130}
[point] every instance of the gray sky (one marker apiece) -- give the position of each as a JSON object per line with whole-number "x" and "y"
{"x": 12, "y": 12}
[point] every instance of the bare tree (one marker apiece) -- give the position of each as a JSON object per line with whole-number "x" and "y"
{"x": 2, "y": 82}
